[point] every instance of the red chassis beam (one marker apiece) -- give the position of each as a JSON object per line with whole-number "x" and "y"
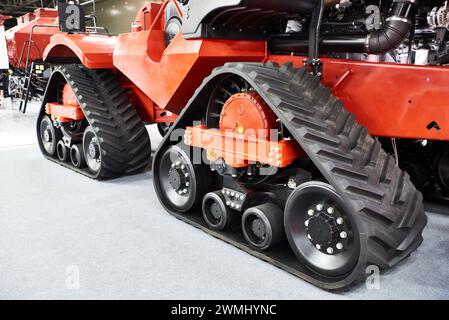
{"x": 64, "y": 113}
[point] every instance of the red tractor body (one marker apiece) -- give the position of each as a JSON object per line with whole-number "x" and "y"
{"x": 42, "y": 24}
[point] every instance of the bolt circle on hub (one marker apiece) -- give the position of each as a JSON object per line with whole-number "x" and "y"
{"x": 321, "y": 229}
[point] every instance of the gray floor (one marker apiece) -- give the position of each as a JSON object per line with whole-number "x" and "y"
{"x": 55, "y": 225}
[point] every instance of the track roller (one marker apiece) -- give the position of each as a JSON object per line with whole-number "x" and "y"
{"x": 77, "y": 156}
{"x": 48, "y": 136}
{"x": 62, "y": 152}
{"x": 263, "y": 226}
{"x": 322, "y": 230}
{"x": 216, "y": 213}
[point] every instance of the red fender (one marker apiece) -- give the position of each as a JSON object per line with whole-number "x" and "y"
{"x": 93, "y": 51}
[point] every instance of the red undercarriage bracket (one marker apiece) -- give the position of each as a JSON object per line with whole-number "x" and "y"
{"x": 64, "y": 113}
{"x": 240, "y": 150}
{"x": 67, "y": 111}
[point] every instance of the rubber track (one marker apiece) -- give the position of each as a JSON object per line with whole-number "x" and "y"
{"x": 389, "y": 206}
{"x": 123, "y": 137}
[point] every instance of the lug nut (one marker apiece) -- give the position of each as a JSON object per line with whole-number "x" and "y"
{"x": 223, "y": 192}
{"x": 343, "y": 235}
{"x": 306, "y": 223}
{"x": 340, "y": 221}
{"x": 309, "y": 236}
{"x": 186, "y": 175}
{"x": 339, "y": 246}
{"x": 183, "y": 167}
{"x": 228, "y": 203}
{"x": 232, "y": 205}
{"x": 242, "y": 197}
{"x": 232, "y": 194}
{"x": 330, "y": 250}
{"x": 330, "y": 210}
{"x": 318, "y": 247}
{"x": 237, "y": 206}
{"x": 187, "y": 184}
{"x": 319, "y": 207}
{"x": 178, "y": 163}
{"x": 310, "y": 212}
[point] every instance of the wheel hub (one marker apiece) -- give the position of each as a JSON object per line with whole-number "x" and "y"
{"x": 321, "y": 230}
{"x": 94, "y": 150}
{"x": 259, "y": 229}
{"x": 47, "y": 135}
{"x": 179, "y": 178}
{"x": 215, "y": 211}
{"x": 327, "y": 229}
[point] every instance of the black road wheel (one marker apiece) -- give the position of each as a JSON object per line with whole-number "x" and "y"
{"x": 322, "y": 230}
{"x": 77, "y": 156}
{"x": 216, "y": 213}
{"x": 62, "y": 151}
{"x": 92, "y": 150}
{"x": 263, "y": 226}
{"x": 163, "y": 128}
{"x": 48, "y": 135}
{"x": 181, "y": 184}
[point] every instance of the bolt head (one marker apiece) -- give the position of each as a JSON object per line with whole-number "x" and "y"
{"x": 183, "y": 167}
{"x": 306, "y": 223}
{"x": 309, "y": 236}
{"x": 330, "y": 210}
{"x": 343, "y": 235}
{"x": 340, "y": 221}
{"x": 310, "y": 212}
{"x": 242, "y": 197}
{"x": 187, "y": 184}
{"x": 330, "y": 250}
{"x": 232, "y": 194}
{"x": 319, "y": 207}
{"x": 339, "y": 246}
{"x": 178, "y": 163}
{"x": 186, "y": 175}
{"x": 318, "y": 247}
{"x": 237, "y": 206}
{"x": 228, "y": 203}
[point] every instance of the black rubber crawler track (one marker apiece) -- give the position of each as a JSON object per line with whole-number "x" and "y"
{"x": 122, "y": 135}
{"x": 390, "y": 207}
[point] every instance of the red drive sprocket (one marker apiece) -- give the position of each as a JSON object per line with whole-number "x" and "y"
{"x": 248, "y": 114}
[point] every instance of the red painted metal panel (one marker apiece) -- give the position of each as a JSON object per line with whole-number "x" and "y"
{"x": 391, "y": 100}
{"x": 94, "y": 51}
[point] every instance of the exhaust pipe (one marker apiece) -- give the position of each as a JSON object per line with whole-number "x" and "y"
{"x": 393, "y": 33}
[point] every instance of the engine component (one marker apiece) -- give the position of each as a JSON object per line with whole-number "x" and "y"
{"x": 438, "y": 17}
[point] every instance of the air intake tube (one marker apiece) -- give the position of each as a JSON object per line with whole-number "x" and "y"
{"x": 392, "y": 34}
{"x": 395, "y": 30}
